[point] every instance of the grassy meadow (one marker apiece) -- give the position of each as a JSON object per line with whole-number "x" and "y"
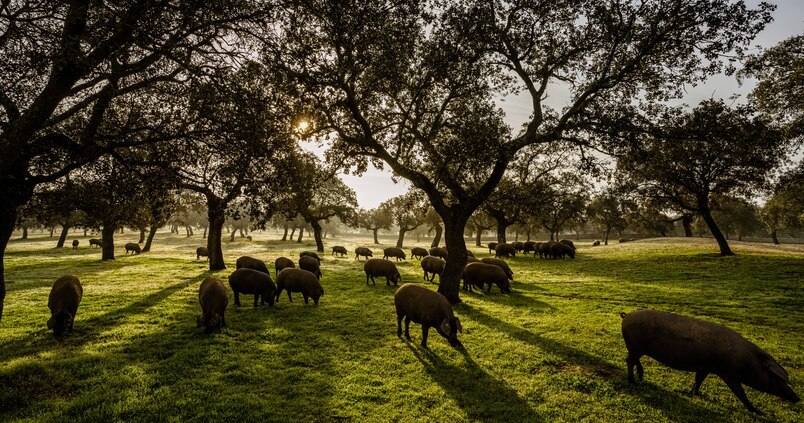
{"x": 551, "y": 351}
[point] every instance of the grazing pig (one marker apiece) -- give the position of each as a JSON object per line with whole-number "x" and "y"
{"x": 252, "y": 282}
{"x": 283, "y": 263}
{"x": 63, "y": 301}
{"x": 96, "y": 242}
{"x": 133, "y": 247}
{"x": 299, "y": 280}
{"x": 529, "y": 247}
{"x": 519, "y": 246}
{"x": 309, "y": 254}
{"x": 439, "y": 252}
{"x": 252, "y": 263}
{"x": 428, "y": 308}
{"x": 505, "y": 250}
{"x": 560, "y": 250}
{"x": 501, "y": 264}
{"x": 419, "y": 252}
{"x": 478, "y": 274}
{"x": 249, "y": 238}
{"x": 596, "y": 243}
{"x": 339, "y": 250}
{"x": 213, "y": 299}
{"x": 310, "y": 264}
{"x": 492, "y": 247}
{"x": 432, "y": 266}
{"x": 363, "y": 252}
{"x": 201, "y": 252}
{"x": 693, "y": 345}
{"x": 394, "y": 252}
{"x": 75, "y": 244}
{"x": 568, "y": 243}
{"x": 376, "y": 268}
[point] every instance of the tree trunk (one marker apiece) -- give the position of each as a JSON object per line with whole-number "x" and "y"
{"x": 285, "y": 235}
{"x": 606, "y": 236}
{"x": 121, "y": 229}
{"x": 516, "y": 235}
{"x": 63, "y": 236}
{"x": 456, "y": 259}
{"x": 8, "y": 218}
{"x": 142, "y": 236}
{"x": 401, "y": 239}
{"x": 527, "y": 233}
{"x": 501, "y": 228}
{"x": 85, "y": 232}
{"x": 242, "y": 234}
{"x": 478, "y": 236}
{"x": 725, "y": 250}
{"x": 774, "y": 237}
{"x": 24, "y": 232}
{"x": 216, "y": 214}
{"x": 292, "y": 232}
{"x": 151, "y": 234}
{"x": 319, "y": 241}
{"x": 301, "y": 234}
{"x": 437, "y": 237}
{"x": 52, "y": 229}
{"x": 376, "y": 241}
{"x": 686, "y": 221}
{"x": 107, "y": 241}
{"x": 205, "y": 232}
{"x": 232, "y": 235}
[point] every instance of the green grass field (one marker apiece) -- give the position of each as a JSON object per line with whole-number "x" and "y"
{"x": 551, "y": 351}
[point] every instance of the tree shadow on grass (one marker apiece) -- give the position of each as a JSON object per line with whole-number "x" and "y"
{"x": 480, "y": 395}
{"x": 668, "y": 402}
{"x": 86, "y": 331}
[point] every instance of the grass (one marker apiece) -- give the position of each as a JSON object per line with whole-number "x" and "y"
{"x": 552, "y": 351}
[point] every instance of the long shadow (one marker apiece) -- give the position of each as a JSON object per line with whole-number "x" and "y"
{"x": 667, "y": 402}
{"x": 90, "y": 330}
{"x": 482, "y": 396}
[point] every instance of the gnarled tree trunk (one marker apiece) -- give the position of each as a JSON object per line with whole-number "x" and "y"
{"x": 478, "y": 236}
{"x": 8, "y": 217}
{"x": 142, "y": 236}
{"x": 301, "y": 234}
{"x": 319, "y": 241}
{"x": 502, "y": 227}
{"x": 401, "y": 239}
{"x": 686, "y": 222}
{"x": 107, "y": 240}
{"x": 437, "y": 237}
{"x": 65, "y": 229}
{"x": 216, "y": 214}
{"x": 376, "y": 240}
{"x": 150, "y": 239}
{"x": 775, "y": 237}
{"x": 722, "y": 242}
{"x": 285, "y": 235}
{"x": 456, "y": 259}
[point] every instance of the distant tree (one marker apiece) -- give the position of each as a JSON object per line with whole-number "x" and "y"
{"x": 374, "y": 220}
{"x": 736, "y": 216}
{"x": 408, "y": 211}
{"x": 413, "y": 84}
{"x": 780, "y": 90}
{"x": 565, "y": 199}
{"x": 110, "y": 194}
{"x": 713, "y": 150}
{"x": 316, "y": 193}
{"x": 608, "y": 212}
{"x": 785, "y": 207}
{"x": 433, "y": 221}
{"x": 480, "y": 221}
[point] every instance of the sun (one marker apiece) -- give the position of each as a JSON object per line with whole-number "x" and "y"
{"x": 303, "y": 126}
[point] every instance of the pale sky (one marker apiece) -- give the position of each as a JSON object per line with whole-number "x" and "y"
{"x": 375, "y": 186}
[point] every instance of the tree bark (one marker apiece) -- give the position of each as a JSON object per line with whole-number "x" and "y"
{"x": 151, "y": 234}
{"x": 456, "y": 259}
{"x": 775, "y": 237}
{"x": 232, "y": 235}
{"x": 142, "y": 236}
{"x": 24, "y": 232}
{"x": 52, "y": 229}
{"x": 205, "y": 232}
{"x": 319, "y": 241}
{"x": 686, "y": 222}
{"x": 439, "y": 230}
{"x": 376, "y": 240}
{"x": 292, "y": 232}
{"x": 401, "y": 239}
{"x": 478, "y": 236}
{"x": 725, "y": 250}
{"x": 606, "y": 236}
{"x": 501, "y": 228}
{"x": 65, "y": 229}
{"x": 216, "y": 214}
{"x": 285, "y": 235}
{"x": 107, "y": 241}
{"x": 8, "y": 218}
{"x": 301, "y": 234}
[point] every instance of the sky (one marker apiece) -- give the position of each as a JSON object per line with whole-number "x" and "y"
{"x": 376, "y": 186}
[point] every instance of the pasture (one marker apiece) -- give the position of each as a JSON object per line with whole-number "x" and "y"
{"x": 551, "y": 351}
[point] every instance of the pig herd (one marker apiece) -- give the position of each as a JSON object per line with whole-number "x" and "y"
{"x": 679, "y": 342}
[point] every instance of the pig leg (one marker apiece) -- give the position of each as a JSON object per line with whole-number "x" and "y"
{"x": 367, "y": 279}
{"x": 737, "y": 388}
{"x": 425, "y": 331}
{"x": 278, "y": 293}
{"x": 289, "y": 297}
{"x": 633, "y": 361}
{"x": 305, "y": 298}
{"x": 237, "y": 298}
{"x": 699, "y": 378}
{"x": 399, "y": 326}
{"x": 407, "y": 328}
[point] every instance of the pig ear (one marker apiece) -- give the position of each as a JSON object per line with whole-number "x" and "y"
{"x": 445, "y": 326}
{"x": 776, "y": 369}
{"x": 458, "y": 323}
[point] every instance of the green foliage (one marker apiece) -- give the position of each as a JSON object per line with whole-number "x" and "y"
{"x": 136, "y": 354}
